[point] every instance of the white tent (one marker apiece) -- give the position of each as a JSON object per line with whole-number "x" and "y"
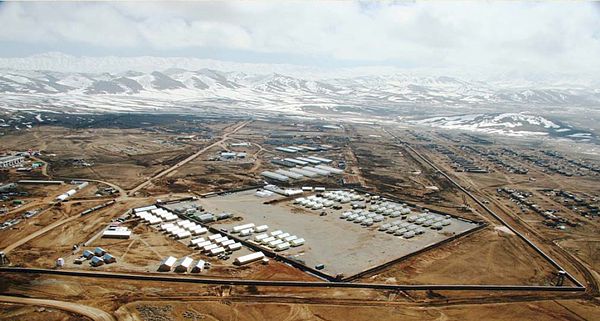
{"x": 167, "y": 264}
{"x": 183, "y": 264}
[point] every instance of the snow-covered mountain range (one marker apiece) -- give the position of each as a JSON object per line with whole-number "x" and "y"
{"x": 61, "y": 83}
{"x": 269, "y": 91}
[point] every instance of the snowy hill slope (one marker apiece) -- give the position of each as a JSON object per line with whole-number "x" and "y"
{"x": 508, "y": 124}
{"x": 256, "y": 89}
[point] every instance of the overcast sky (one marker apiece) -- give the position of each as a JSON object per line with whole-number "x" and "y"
{"x": 488, "y": 37}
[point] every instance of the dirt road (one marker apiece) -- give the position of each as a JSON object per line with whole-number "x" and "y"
{"x": 123, "y": 194}
{"x": 189, "y": 159}
{"x": 38, "y": 233}
{"x": 92, "y": 313}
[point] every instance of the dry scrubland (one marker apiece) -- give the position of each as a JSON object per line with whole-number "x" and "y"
{"x": 374, "y": 158}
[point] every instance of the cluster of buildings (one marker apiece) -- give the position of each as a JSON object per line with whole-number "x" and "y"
{"x": 183, "y": 229}
{"x": 153, "y": 215}
{"x": 589, "y": 207}
{"x": 11, "y": 161}
{"x": 407, "y": 224}
{"x": 216, "y": 245}
{"x": 97, "y": 257}
{"x": 551, "y": 162}
{"x": 116, "y": 232}
{"x": 457, "y": 162}
{"x": 301, "y": 161}
{"x": 493, "y": 157}
{"x": 212, "y": 245}
{"x": 551, "y": 217}
{"x": 297, "y": 173}
{"x": 415, "y": 225}
{"x": 17, "y": 159}
{"x": 303, "y": 148}
{"x": 302, "y": 167}
{"x": 277, "y": 240}
{"x": 182, "y": 265}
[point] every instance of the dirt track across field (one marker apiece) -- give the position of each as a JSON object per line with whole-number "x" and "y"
{"x": 92, "y": 313}
{"x": 187, "y": 160}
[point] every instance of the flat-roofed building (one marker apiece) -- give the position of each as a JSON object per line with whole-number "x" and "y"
{"x": 11, "y": 161}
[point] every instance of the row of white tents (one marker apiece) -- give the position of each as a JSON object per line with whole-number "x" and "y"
{"x": 212, "y": 245}
{"x": 183, "y": 229}
{"x": 340, "y": 195}
{"x": 248, "y": 229}
{"x": 408, "y": 225}
{"x": 156, "y": 216}
{"x": 327, "y": 199}
{"x": 215, "y": 244}
{"x": 182, "y": 265}
{"x": 278, "y": 240}
{"x": 302, "y": 148}
{"x": 390, "y": 208}
{"x": 63, "y": 197}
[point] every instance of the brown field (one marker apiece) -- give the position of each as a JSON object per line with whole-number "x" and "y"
{"x": 171, "y": 301}
{"x": 16, "y": 312}
{"x": 120, "y": 156}
{"x": 491, "y": 256}
{"x": 129, "y": 157}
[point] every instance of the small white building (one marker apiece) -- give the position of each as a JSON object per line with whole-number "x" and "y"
{"x": 217, "y": 251}
{"x": 199, "y": 266}
{"x": 182, "y": 234}
{"x": 209, "y": 247}
{"x": 266, "y": 240}
{"x": 183, "y": 264}
{"x": 249, "y": 258}
{"x": 260, "y": 237}
{"x": 123, "y": 233}
{"x": 197, "y": 241}
{"x": 282, "y": 246}
{"x": 167, "y": 264}
{"x": 239, "y": 228}
{"x": 234, "y": 246}
{"x": 221, "y": 239}
{"x": 202, "y": 244}
{"x": 297, "y": 242}
{"x": 228, "y": 155}
{"x": 274, "y": 243}
{"x": 214, "y": 236}
{"x": 228, "y": 242}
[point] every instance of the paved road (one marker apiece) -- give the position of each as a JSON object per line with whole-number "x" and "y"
{"x": 92, "y": 313}
{"x": 187, "y": 160}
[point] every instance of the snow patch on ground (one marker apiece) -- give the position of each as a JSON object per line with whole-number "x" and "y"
{"x": 509, "y": 124}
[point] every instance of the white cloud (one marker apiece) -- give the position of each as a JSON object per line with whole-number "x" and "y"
{"x": 514, "y": 37}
